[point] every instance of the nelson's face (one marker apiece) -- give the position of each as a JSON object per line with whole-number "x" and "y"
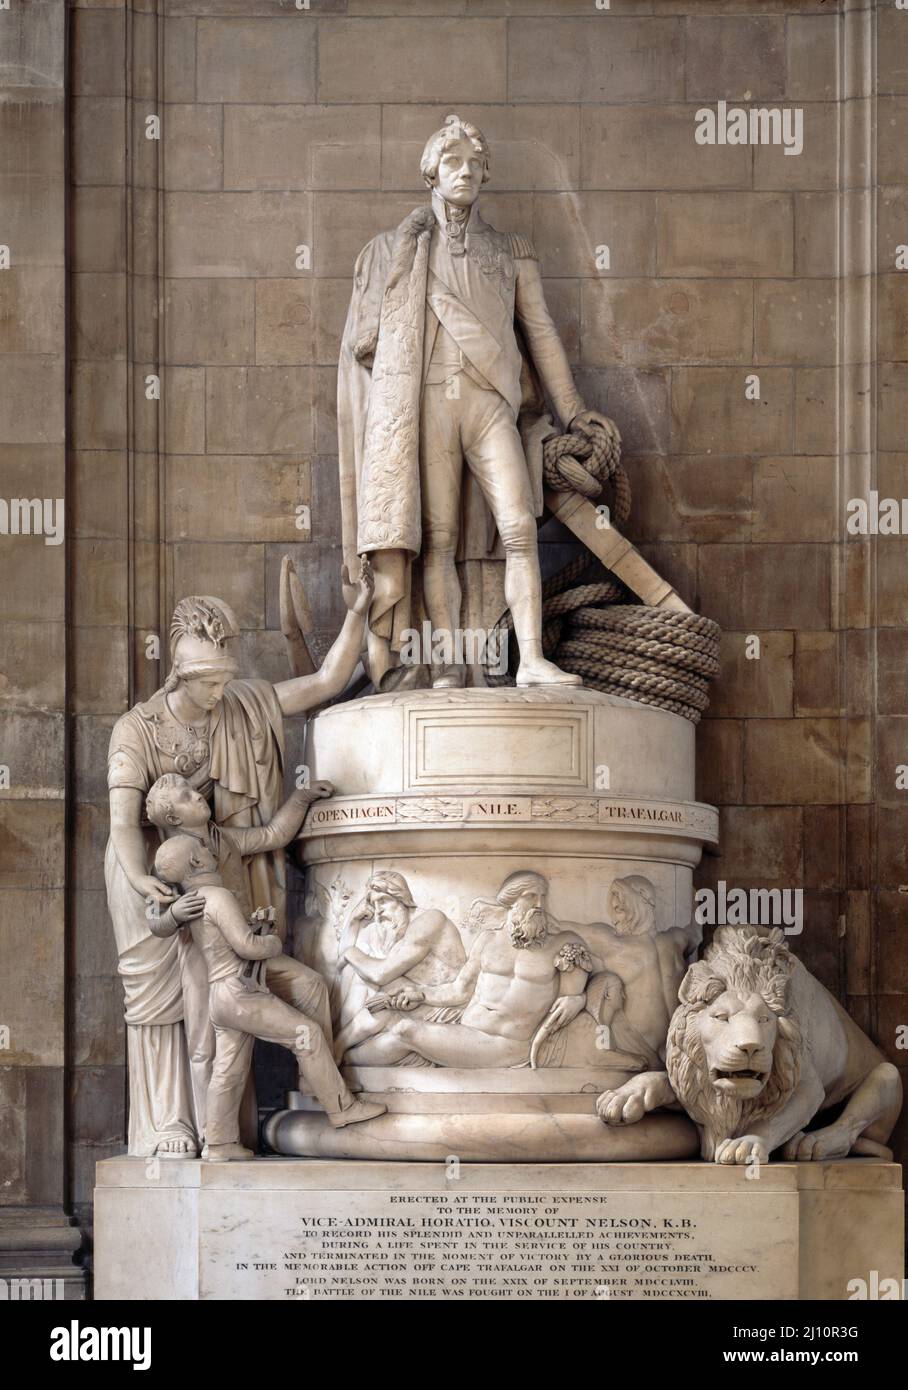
{"x": 460, "y": 171}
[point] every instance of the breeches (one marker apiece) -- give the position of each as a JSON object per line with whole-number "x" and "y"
{"x": 240, "y": 1016}
{"x": 477, "y": 429}
{"x": 301, "y": 987}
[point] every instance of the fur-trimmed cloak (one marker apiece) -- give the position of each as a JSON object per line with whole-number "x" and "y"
{"x": 380, "y": 382}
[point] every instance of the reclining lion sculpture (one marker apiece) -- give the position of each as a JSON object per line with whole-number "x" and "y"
{"x": 756, "y": 1048}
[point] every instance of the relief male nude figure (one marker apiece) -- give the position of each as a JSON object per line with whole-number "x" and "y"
{"x": 516, "y": 976}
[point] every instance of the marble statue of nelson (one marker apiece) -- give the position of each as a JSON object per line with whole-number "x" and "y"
{"x": 438, "y": 457}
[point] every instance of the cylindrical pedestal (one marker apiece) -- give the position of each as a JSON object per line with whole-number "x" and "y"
{"x": 546, "y": 1115}
{"x": 455, "y": 791}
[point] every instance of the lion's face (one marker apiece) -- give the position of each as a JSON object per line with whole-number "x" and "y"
{"x": 738, "y": 1034}
{"x": 733, "y": 1053}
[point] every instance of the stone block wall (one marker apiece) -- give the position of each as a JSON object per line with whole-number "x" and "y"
{"x": 288, "y": 134}
{"x": 33, "y": 668}
{"x": 37, "y": 1236}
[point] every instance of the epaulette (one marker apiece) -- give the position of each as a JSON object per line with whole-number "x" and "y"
{"x": 522, "y": 249}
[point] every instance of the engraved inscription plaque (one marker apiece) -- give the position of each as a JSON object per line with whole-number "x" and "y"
{"x": 613, "y": 1246}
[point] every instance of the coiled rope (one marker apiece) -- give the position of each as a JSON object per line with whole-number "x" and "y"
{"x": 585, "y": 463}
{"x": 655, "y": 656}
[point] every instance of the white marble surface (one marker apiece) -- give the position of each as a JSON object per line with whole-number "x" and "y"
{"x": 517, "y": 1134}
{"x": 544, "y": 740}
{"x": 282, "y": 1230}
{"x": 447, "y": 804}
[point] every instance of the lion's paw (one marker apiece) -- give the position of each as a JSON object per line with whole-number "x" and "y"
{"x": 790, "y": 1151}
{"x": 830, "y": 1142}
{"x": 746, "y": 1148}
{"x": 621, "y": 1107}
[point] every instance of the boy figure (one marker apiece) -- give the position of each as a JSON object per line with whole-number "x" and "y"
{"x": 175, "y": 807}
{"x": 243, "y": 1007}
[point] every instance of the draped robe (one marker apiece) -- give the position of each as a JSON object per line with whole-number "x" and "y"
{"x": 243, "y": 781}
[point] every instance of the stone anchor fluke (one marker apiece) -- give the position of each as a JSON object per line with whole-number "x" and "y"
{"x": 296, "y": 620}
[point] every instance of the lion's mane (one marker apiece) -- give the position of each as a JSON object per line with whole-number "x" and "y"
{"x": 750, "y": 961}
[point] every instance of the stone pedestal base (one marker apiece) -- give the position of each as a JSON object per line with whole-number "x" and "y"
{"x": 481, "y": 1116}
{"x": 38, "y": 1246}
{"x": 277, "y": 1229}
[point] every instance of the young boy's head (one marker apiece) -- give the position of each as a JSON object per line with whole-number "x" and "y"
{"x": 183, "y": 859}
{"x": 173, "y": 804}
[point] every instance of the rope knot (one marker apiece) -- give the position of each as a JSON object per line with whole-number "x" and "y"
{"x": 586, "y": 463}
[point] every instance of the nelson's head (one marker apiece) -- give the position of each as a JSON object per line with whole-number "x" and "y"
{"x": 455, "y": 162}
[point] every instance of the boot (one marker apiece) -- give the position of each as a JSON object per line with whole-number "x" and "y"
{"x": 355, "y": 1113}
{"x": 226, "y": 1153}
{"x": 450, "y": 677}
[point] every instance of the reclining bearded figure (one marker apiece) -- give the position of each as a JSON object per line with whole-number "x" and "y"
{"x": 532, "y": 990}
{"x": 517, "y": 974}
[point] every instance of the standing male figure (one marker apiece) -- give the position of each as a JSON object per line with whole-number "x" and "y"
{"x": 432, "y": 318}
